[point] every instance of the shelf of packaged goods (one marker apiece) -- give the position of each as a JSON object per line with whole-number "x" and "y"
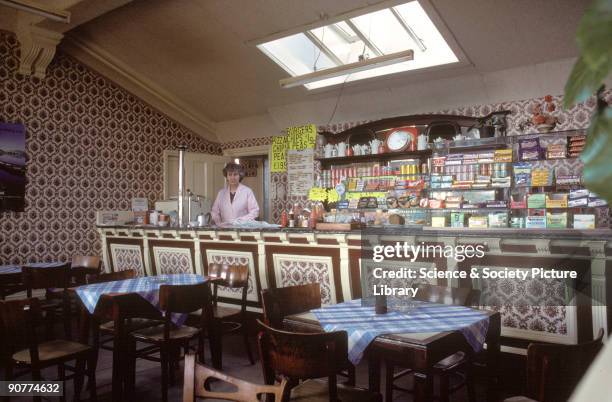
{"x": 343, "y": 160}
{"x": 450, "y": 189}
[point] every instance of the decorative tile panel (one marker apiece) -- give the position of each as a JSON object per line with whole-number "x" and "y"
{"x": 292, "y": 270}
{"x": 172, "y": 260}
{"x": 534, "y": 305}
{"x": 127, "y": 256}
{"x": 235, "y": 258}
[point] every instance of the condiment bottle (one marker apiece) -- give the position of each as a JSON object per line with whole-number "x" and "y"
{"x": 291, "y": 218}
{"x": 284, "y": 219}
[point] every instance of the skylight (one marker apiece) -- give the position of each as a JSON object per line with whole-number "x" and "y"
{"x": 380, "y": 33}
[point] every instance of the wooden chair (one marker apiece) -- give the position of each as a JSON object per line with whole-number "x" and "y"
{"x": 18, "y": 322}
{"x": 183, "y": 299}
{"x": 232, "y": 277}
{"x": 197, "y": 379}
{"x": 84, "y": 266}
{"x": 281, "y": 302}
{"x": 53, "y": 280}
{"x": 553, "y": 371}
{"x": 300, "y": 356}
{"x": 457, "y": 364}
{"x": 278, "y": 303}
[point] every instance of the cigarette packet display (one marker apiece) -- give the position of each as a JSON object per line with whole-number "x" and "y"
{"x": 503, "y": 155}
{"x": 584, "y": 221}
{"x": 578, "y": 202}
{"x": 535, "y": 222}
{"x": 556, "y": 200}
{"x": 479, "y": 222}
{"x": 438, "y": 221}
{"x": 536, "y": 201}
{"x": 578, "y": 193}
{"x": 566, "y": 180}
{"x": 457, "y": 219}
{"x": 597, "y": 202}
{"x": 556, "y": 220}
{"x": 498, "y": 220}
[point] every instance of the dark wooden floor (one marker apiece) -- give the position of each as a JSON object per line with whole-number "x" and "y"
{"x": 235, "y": 363}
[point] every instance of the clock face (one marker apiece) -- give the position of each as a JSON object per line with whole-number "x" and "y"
{"x": 401, "y": 139}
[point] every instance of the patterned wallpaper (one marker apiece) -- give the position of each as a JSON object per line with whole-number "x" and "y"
{"x": 91, "y": 146}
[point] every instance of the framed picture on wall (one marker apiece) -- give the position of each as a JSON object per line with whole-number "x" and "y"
{"x": 12, "y": 167}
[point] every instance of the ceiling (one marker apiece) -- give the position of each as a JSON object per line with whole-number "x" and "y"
{"x": 202, "y": 53}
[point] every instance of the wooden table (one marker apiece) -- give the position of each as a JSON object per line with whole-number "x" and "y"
{"x": 418, "y": 351}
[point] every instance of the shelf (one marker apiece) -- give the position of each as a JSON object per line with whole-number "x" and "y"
{"x": 447, "y": 189}
{"x": 342, "y": 160}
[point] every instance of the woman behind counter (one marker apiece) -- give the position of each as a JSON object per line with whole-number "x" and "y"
{"x": 236, "y": 201}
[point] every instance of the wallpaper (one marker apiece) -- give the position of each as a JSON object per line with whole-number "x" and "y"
{"x": 91, "y": 146}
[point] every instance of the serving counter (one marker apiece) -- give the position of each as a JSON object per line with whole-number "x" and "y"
{"x": 286, "y": 257}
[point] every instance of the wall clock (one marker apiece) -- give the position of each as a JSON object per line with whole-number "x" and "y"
{"x": 402, "y": 139}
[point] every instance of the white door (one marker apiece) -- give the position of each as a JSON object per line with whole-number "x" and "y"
{"x": 203, "y": 174}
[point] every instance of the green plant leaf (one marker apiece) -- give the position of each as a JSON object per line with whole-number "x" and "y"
{"x": 594, "y": 35}
{"x": 597, "y": 155}
{"x": 582, "y": 83}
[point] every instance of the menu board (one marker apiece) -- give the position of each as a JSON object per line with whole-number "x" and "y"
{"x": 300, "y": 172}
{"x": 301, "y": 137}
{"x": 279, "y": 154}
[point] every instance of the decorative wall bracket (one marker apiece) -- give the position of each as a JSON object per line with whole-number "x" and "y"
{"x": 37, "y": 47}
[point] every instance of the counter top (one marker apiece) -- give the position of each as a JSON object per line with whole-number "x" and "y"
{"x": 590, "y": 234}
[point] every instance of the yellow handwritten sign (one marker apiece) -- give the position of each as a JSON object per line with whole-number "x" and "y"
{"x": 317, "y": 194}
{"x": 301, "y": 137}
{"x": 279, "y": 154}
{"x": 332, "y": 195}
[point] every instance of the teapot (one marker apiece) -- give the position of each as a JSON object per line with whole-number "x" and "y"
{"x": 204, "y": 219}
{"x": 365, "y": 149}
{"x": 422, "y": 141}
{"x": 327, "y": 149}
{"x": 459, "y": 137}
{"x": 341, "y": 148}
{"x": 357, "y": 149}
{"x": 374, "y": 145}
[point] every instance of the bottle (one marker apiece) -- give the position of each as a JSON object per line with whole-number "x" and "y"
{"x": 284, "y": 219}
{"x": 291, "y": 218}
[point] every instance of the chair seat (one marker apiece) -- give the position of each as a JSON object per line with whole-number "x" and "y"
{"x": 133, "y": 325}
{"x": 156, "y": 334}
{"x": 221, "y": 312}
{"x": 52, "y": 350}
{"x": 519, "y": 399}
{"x": 316, "y": 390}
{"x": 451, "y": 362}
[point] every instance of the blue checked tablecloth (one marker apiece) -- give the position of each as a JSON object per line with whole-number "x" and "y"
{"x": 147, "y": 287}
{"x": 16, "y": 269}
{"x": 363, "y": 325}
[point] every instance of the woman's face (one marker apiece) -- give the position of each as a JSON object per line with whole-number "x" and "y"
{"x": 233, "y": 178}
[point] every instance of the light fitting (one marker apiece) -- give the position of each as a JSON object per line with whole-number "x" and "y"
{"x": 38, "y": 9}
{"x": 366, "y": 64}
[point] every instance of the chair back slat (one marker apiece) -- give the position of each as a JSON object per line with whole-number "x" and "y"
{"x": 184, "y": 298}
{"x": 19, "y": 320}
{"x": 301, "y": 355}
{"x": 45, "y": 277}
{"x": 231, "y": 276}
{"x": 447, "y": 295}
{"x": 553, "y": 371}
{"x": 281, "y": 302}
{"x": 87, "y": 261}
{"x": 197, "y": 376}
{"x": 112, "y": 276}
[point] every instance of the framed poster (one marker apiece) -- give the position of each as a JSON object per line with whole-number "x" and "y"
{"x": 12, "y": 167}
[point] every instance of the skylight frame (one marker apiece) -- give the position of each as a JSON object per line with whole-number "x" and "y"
{"x": 428, "y": 14}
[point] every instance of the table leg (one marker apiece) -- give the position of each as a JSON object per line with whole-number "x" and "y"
{"x": 374, "y": 374}
{"x": 493, "y": 377}
{"x": 423, "y": 386}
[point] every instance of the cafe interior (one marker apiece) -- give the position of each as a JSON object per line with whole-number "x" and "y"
{"x": 348, "y": 200}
